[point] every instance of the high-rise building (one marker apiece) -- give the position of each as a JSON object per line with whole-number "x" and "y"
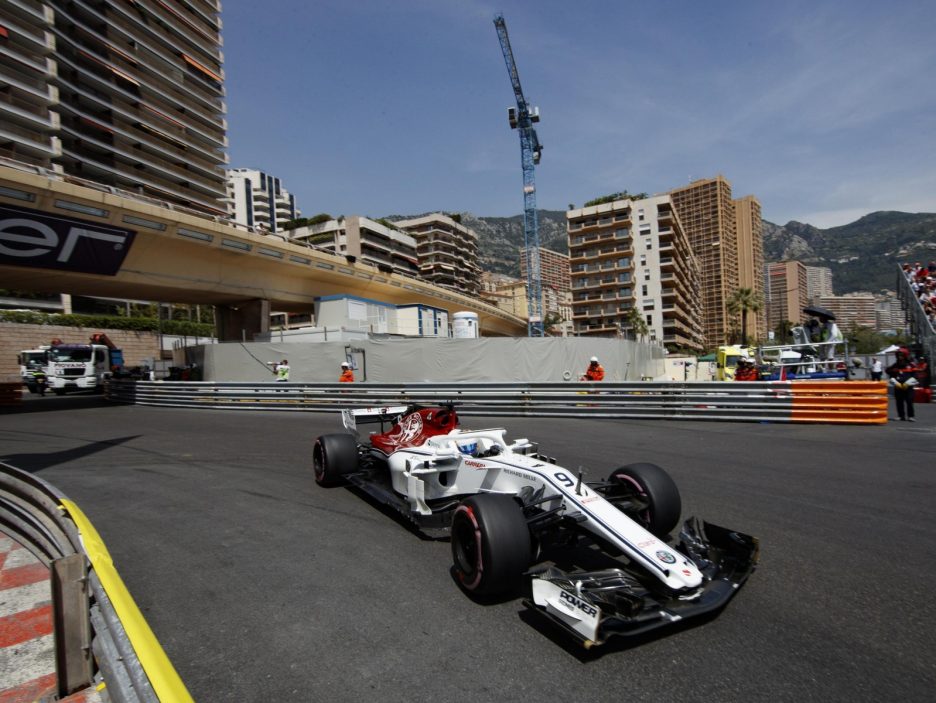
{"x": 259, "y": 200}
{"x": 129, "y": 94}
{"x": 818, "y": 283}
{"x": 447, "y": 251}
{"x": 707, "y": 213}
{"x": 356, "y": 237}
{"x": 751, "y": 261}
{"x": 786, "y": 293}
{"x": 556, "y": 285}
{"x": 851, "y": 310}
{"x": 554, "y": 268}
{"x": 889, "y": 314}
{"x": 634, "y": 255}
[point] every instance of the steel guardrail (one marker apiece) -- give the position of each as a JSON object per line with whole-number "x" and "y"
{"x": 852, "y": 402}
{"x": 920, "y": 326}
{"x": 122, "y": 656}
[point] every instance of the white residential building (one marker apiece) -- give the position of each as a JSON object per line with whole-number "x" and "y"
{"x": 447, "y": 250}
{"x": 356, "y": 237}
{"x": 259, "y": 200}
{"x": 630, "y": 254}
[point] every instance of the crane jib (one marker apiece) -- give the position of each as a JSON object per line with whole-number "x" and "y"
{"x": 530, "y": 152}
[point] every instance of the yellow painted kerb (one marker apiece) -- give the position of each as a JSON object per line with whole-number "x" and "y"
{"x": 167, "y": 685}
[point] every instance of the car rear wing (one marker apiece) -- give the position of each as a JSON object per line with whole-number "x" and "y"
{"x": 351, "y": 417}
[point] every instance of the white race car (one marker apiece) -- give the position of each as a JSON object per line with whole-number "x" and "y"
{"x": 512, "y": 512}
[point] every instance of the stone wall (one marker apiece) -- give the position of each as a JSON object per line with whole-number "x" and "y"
{"x": 136, "y": 346}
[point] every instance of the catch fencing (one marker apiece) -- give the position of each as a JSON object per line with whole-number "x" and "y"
{"x": 844, "y": 402}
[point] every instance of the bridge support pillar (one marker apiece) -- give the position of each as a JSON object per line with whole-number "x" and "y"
{"x": 239, "y": 322}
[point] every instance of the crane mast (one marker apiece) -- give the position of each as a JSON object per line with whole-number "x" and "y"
{"x": 522, "y": 118}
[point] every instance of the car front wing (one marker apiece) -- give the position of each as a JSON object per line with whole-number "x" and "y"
{"x": 594, "y": 606}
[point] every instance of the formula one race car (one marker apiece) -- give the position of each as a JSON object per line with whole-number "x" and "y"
{"x": 505, "y": 506}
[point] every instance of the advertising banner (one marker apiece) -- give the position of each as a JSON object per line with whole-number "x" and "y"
{"x": 39, "y": 239}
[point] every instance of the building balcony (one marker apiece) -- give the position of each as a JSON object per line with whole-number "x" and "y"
{"x": 101, "y": 93}
{"x": 31, "y": 13}
{"x": 30, "y": 142}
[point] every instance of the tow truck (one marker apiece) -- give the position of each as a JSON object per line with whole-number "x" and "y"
{"x": 73, "y": 367}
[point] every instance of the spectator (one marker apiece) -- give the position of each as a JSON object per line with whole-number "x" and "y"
{"x": 877, "y": 369}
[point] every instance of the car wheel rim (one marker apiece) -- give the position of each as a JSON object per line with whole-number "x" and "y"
{"x": 643, "y": 516}
{"x": 466, "y": 541}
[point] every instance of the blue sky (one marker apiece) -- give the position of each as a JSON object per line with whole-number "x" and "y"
{"x": 825, "y": 110}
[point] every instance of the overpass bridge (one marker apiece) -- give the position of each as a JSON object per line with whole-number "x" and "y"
{"x": 59, "y": 234}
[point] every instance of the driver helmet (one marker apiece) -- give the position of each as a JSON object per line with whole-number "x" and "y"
{"x": 469, "y": 448}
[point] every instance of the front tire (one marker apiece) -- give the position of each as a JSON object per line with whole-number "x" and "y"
{"x": 655, "y": 490}
{"x": 334, "y": 456}
{"x": 491, "y": 546}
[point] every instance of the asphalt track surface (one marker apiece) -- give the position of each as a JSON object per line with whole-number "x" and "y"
{"x": 261, "y": 586}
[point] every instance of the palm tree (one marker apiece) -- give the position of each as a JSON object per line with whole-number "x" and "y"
{"x": 636, "y": 322}
{"x": 742, "y": 300}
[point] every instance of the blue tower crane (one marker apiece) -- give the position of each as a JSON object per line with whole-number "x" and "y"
{"x": 522, "y": 118}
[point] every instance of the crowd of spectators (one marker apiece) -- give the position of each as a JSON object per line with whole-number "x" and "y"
{"x": 923, "y": 281}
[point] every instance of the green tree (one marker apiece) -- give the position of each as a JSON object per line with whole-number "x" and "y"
{"x": 551, "y": 322}
{"x": 636, "y": 323}
{"x": 740, "y": 302}
{"x": 623, "y": 195}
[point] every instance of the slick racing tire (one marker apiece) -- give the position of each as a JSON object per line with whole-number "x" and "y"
{"x": 333, "y": 457}
{"x": 491, "y": 546}
{"x": 653, "y": 486}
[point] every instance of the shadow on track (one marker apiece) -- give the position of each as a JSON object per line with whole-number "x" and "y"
{"x": 34, "y": 462}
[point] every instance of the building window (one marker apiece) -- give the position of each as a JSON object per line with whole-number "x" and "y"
{"x": 643, "y": 290}
{"x": 650, "y": 320}
{"x": 649, "y": 244}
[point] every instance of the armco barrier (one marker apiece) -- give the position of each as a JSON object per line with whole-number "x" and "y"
{"x": 851, "y": 402}
{"x": 101, "y": 638}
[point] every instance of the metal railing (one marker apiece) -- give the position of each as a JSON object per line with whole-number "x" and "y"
{"x": 774, "y": 401}
{"x": 100, "y": 635}
{"x": 920, "y": 326}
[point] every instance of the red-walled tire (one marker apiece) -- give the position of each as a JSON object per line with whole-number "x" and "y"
{"x": 651, "y": 484}
{"x": 491, "y": 546}
{"x": 333, "y": 457}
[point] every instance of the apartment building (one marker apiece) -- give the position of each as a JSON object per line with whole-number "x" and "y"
{"x": 818, "y": 282}
{"x": 751, "y": 261}
{"x": 129, "y": 94}
{"x": 889, "y": 313}
{"x": 447, "y": 252}
{"x": 707, "y": 213}
{"x": 627, "y": 255}
{"x": 556, "y": 285}
{"x": 852, "y": 309}
{"x": 360, "y": 238}
{"x": 787, "y": 293}
{"x": 258, "y": 200}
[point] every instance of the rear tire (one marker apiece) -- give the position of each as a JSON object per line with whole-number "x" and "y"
{"x": 491, "y": 546}
{"x": 652, "y": 485}
{"x": 334, "y": 456}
